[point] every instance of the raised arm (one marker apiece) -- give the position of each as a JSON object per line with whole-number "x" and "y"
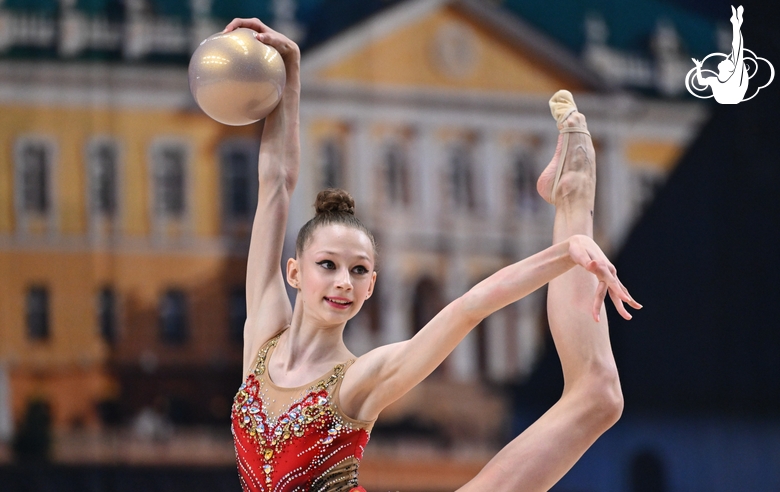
{"x": 268, "y": 308}
{"x": 390, "y": 371}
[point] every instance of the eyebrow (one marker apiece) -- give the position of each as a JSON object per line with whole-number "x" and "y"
{"x": 361, "y": 256}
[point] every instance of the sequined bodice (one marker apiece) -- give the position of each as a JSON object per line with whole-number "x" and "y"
{"x": 295, "y": 439}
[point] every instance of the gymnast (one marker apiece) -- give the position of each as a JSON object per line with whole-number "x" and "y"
{"x": 302, "y": 416}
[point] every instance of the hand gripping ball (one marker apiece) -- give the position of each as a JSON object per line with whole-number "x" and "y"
{"x": 236, "y": 79}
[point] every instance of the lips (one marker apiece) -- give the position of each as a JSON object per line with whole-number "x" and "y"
{"x": 338, "y": 302}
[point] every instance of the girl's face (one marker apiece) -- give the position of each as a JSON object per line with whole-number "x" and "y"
{"x": 334, "y": 274}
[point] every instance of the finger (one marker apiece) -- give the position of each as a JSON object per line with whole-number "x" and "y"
{"x": 598, "y": 301}
{"x": 281, "y": 43}
{"x": 631, "y": 301}
{"x": 621, "y": 309}
{"x": 254, "y": 24}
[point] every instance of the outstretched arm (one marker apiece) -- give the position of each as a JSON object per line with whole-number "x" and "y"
{"x": 268, "y": 308}
{"x": 388, "y": 372}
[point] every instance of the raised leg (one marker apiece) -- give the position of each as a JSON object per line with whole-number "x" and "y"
{"x": 591, "y": 400}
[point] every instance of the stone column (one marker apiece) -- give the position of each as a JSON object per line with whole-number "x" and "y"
{"x": 527, "y": 329}
{"x": 496, "y": 334}
{"x": 359, "y": 182}
{"x": 614, "y": 205}
{"x": 489, "y": 167}
{"x": 395, "y": 310}
{"x": 463, "y": 360}
{"x": 424, "y": 168}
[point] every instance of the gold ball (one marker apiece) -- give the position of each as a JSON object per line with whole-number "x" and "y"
{"x": 236, "y": 79}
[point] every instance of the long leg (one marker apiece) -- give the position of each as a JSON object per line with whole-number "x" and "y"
{"x": 592, "y": 399}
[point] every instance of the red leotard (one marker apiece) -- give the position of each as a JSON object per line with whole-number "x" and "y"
{"x": 296, "y": 439}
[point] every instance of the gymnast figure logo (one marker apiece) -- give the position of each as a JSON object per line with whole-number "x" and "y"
{"x": 730, "y": 84}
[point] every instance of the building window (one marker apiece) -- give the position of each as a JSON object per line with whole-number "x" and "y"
{"x": 461, "y": 178}
{"x": 169, "y": 171}
{"x": 523, "y": 182}
{"x": 332, "y": 165}
{"x": 173, "y": 317}
{"x": 396, "y": 174}
{"x": 38, "y": 313}
{"x": 107, "y": 320}
{"x": 237, "y": 314}
{"x": 238, "y": 162}
{"x": 34, "y": 165}
{"x": 103, "y": 174}
{"x": 427, "y": 303}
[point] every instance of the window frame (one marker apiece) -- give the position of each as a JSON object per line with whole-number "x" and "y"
{"x": 252, "y": 146}
{"x": 159, "y": 221}
{"x": 25, "y": 219}
{"x": 46, "y": 333}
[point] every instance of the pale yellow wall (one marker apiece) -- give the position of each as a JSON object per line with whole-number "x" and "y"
{"x": 405, "y": 58}
{"x": 71, "y": 128}
{"x": 69, "y": 368}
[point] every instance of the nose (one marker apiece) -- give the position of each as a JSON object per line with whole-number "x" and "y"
{"x": 343, "y": 279}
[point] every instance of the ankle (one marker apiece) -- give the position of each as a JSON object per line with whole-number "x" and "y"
{"x": 576, "y": 189}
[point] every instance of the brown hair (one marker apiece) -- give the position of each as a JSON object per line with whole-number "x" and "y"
{"x": 332, "y": 206}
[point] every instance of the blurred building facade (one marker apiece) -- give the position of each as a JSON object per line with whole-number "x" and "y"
{"x": 435, "y": 116}
{"x": 125, "y": 212}
{"x": 124, "y": 219}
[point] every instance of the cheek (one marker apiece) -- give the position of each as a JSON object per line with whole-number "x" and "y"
{"x": 362, "y": 284}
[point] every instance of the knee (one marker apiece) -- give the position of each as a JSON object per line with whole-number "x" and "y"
{"x": 603, "y": 398}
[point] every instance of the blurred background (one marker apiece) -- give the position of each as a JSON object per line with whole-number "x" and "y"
{"x": 125, "y": 214}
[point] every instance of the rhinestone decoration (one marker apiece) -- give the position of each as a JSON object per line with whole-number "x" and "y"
{"x": 335, "y": 446}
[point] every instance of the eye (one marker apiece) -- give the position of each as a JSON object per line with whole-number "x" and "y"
{"x": 327, "y": 264}
{"x": 360, "y": 269}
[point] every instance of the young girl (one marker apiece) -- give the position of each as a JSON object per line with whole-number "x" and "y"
{"x": 302, "y": 417}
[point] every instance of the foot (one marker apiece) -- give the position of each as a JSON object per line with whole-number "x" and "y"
{"x": 578, "y": 178}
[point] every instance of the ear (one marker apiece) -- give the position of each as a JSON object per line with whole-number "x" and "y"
{"x": 373, "y": 283}
{"x": 293, "y": 273}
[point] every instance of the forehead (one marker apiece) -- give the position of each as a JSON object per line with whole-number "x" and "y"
{"x": 341, "y": 240}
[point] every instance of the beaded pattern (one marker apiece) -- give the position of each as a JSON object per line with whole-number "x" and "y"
{"x": 308, "y": 446}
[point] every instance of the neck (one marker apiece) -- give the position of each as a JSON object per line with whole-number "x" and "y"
{"x": 308, "y": 343}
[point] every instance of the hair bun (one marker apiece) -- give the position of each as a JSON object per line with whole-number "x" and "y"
{"x": 334, "y": 201}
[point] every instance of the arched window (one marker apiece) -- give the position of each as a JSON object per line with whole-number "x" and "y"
{"x": 396, "y": 174}
{"x": 461, "y": 177}
{"x": 427, "y": 302}
{"x": 332, "y": 165}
